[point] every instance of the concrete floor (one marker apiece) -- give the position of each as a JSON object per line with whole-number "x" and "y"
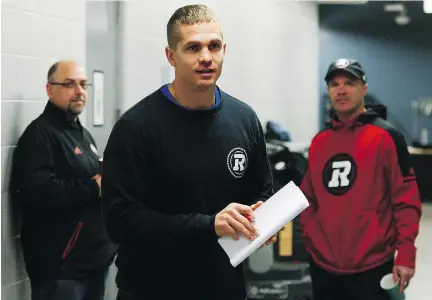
{"x": 420, "y": 285}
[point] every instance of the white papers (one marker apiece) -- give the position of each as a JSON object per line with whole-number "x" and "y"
{"x": 270, "y": 217}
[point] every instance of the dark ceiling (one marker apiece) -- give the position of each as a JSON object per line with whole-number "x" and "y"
{"x": 372, "y": 16}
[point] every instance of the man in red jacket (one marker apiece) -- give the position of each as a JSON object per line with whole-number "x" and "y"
{"x": 365, "y": 205}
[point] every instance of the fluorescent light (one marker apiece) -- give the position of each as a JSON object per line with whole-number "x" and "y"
{"x": 427, "y": 6}
{"x": 345, "y": 2}
{"x": 402, "y": 20}
{"x": 394, "y": 7}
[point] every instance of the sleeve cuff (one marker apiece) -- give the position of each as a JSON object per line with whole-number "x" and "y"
{"x": 208, "y": 223}
{"x": 406, "y": 257}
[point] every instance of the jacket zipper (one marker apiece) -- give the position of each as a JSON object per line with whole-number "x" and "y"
{"x": 73, "y": 239}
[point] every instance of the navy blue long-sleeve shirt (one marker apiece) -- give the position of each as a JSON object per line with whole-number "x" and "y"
{"x": 167, "y": 172}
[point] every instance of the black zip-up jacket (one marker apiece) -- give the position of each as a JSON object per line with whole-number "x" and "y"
{"x": 63, "y": 235}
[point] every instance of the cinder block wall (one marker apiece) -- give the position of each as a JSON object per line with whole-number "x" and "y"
{"x": 271, "y": 61}
{"x": 34, "y": 35}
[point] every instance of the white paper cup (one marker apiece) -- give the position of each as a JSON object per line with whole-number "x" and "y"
{"x": 392, "y": 287}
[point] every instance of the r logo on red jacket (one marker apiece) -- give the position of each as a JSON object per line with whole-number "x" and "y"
{"x": 339, "y": 174}
{"x": 364, "y": 199}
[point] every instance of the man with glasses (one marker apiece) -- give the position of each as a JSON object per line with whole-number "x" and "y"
{"x": 56, "y": 183}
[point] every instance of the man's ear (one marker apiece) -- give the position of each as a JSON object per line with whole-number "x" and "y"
{"x": 223, "y": 51}
{"x": 49, "y": 90}
{"x": 365, "y": 89}
{"x": 170, "y": 55}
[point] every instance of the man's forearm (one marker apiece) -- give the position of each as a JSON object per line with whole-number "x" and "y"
{"x": 134, "y": 224}
{"x": 60, "y": 194}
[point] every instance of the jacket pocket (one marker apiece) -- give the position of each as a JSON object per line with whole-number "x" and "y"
{"x": 73, "y": 239}
{"x": 367, "y": 243}
{"x": 306, "y": 232}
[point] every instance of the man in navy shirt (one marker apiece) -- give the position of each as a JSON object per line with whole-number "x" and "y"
{"x": 182, "y": 168}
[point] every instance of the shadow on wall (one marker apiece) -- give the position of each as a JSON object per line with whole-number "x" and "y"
{"x": 13, "y": 225}
{"x": 13, "y": 267}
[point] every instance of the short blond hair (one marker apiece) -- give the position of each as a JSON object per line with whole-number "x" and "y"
{"x": 188, "y": 15}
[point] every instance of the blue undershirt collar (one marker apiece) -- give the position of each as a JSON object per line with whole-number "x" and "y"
{"x": 168, "y": 94}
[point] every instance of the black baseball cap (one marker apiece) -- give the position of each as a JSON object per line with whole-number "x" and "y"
{"x": 350, "y": 66}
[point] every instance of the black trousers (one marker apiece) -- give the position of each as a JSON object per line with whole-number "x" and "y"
{"x": 90, "y": 288}
{"x": 360, "y": 286}
{"x": 123, "y": 295}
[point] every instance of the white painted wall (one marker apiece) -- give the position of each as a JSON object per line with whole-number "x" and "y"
{"x": 34, "y": 34}
{"x": 271, "y": 64}
{"x": 271, "y": 61}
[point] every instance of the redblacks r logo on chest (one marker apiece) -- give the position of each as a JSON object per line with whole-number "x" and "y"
{"x": 237, "y": 162}
{"x": 339, "y": 174}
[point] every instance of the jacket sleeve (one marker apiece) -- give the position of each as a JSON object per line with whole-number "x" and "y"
{"x": 260, "y": 175}
{"x": 405, "y": 197}
{"x": 36, "y": 182}
{"x": 307, "y": 189}
{"x": 126, "y": 195}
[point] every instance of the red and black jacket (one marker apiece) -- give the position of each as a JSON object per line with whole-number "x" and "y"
{"x": 364, "y": 199}
{"x": 63, "y": 234}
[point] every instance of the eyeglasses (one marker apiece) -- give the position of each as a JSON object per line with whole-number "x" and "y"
{"x": 84, "y": 85}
